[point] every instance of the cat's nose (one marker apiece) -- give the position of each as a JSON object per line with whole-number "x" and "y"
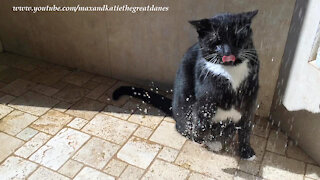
{"x": 226, "y": 50}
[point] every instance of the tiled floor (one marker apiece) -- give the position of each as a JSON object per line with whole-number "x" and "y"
{"x": 61, "y": 124}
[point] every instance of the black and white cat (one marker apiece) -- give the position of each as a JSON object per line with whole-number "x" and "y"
{"x": 216, "y": 86}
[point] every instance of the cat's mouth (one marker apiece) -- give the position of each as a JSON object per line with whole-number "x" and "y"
{"x": 230, "y": 58}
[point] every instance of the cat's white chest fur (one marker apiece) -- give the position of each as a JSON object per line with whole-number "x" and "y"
{"x": 235, "y": 74}
{"x": 222, "y": 115}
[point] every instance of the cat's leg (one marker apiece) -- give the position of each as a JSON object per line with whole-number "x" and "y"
{"x": 244, "y": 132}
{"x": 215, "y": 146}
{"x": 203, "y": 112}
{"x": 222, "y": 135}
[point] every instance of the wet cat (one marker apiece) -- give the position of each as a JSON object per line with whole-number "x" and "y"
{"x": 216, "y": 85}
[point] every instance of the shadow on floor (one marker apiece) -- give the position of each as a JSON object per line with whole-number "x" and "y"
{"x": 50, "y": 91}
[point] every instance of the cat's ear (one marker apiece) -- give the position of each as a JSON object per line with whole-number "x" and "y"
{"x": 202, "y": 26}
{"x": 251, "y": 14}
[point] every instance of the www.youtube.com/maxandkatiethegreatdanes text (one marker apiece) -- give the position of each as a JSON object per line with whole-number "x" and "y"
{"x": 79, "y": 8}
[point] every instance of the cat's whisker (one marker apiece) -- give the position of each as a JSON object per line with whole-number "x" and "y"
{"x": 206, "y": 75}
{"x": 209, "y": 56}
{"x": 247, "y": 57}
{"x": 251, "y": 52}
{"x": 253, "y": 49}
{"x": 251, "y": 55}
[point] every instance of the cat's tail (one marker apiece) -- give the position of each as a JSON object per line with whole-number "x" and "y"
{"x": 158, "y": 101}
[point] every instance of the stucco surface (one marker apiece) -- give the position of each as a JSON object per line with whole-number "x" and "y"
{"x": 142, "y": 47}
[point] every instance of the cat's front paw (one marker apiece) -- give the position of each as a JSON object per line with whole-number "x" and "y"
{"x": 215, "y": 146}
{"x": 246, "y": 152}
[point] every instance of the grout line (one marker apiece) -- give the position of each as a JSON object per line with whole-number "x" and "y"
{"x": 38, "y": 166}
{"x": 264, "y": 152}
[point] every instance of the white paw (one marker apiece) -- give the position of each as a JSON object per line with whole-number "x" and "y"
{"x": 214, "y": 146}
{"x": 252, "y": 158}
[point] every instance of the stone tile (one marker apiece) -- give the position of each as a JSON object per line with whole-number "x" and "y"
{"x": 217, "y": 166}
{"x": 51, "y": 122}
{"x": 15, "y": 122}
{"x": 104, "y": 80}
{"x": 16, "y": 168}
{"x": 31, "y": 146}
{"x": 168, "y": 154}
{"x": 244, "y": 176}
{"x": 110, "y": 128}
{"x": 279, "y": 167}
{"x": 4, "y": 110}
{"x": 18, "y": 87}
{"x": 143, "y": 132}
{"x": 62, "y": 106}
{"x": 44, "y": 173}
{"x": 197, "y": 176}
{"x": 313, "y": 171}
{"x": 78, "y": 78}
{"x": 8, "y": 145}
{"x": 107, "y": 96}
{"x": 46, "y": 90}
{"x": 117, "y": 112}
{"x": 2, "y": 84}
{"x": 131, "y": 172}
{"x": 89, "y": 173}
{"x": 71, "y": 93}
{"x": 100, "y": 152}
{"x": 146, "y": 120}
{"x": 277, "y": 142}
{"x": 163, "y": 170}
{"x": 169, "y": 119}
{"x": 60, "y": 85}
{"x": 262, "y": 121}
{"x": 293, "y": 151}
{"x": 149, "y": 110}
{"x": 33, "y": 103}
{"x": 131, "y": 106}
{"x": 40, "y": 63}
{"x": 6, "y": 99}
{"x": 115, "y": 167}
{"x": 138, "y": 152}
{"x": 167, "y": 135}
{"x": 24, "y": 65}
{"x": 259, "y": 145}
{"x": 27, "y": 134}
{"x": 78, "y": 123}
{"x": 60, "y": 148}
{"x": 261, "y": 128}
{"x": 70, "y": 168}
{"x": 49, "y": 75}
{"x": 10, "y": 74}
{"x": 85, "y": 108}
{"x": 90, "y": 85}
{"x": 251, "y": 167}
{"x": 98, "y": 91}
{"x": 3, "y": 67}
{"x": 306, "y": 178}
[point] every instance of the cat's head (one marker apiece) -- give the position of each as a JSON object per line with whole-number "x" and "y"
{"x": 226, "y": 38}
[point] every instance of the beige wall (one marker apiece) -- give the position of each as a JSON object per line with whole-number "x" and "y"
{"x": 296, "y": 102}
{"x": 140, "y": 47}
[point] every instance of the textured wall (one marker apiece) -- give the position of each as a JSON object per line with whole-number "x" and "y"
{"x": 140, "y": 47}
{"x": 296, "y": 102}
